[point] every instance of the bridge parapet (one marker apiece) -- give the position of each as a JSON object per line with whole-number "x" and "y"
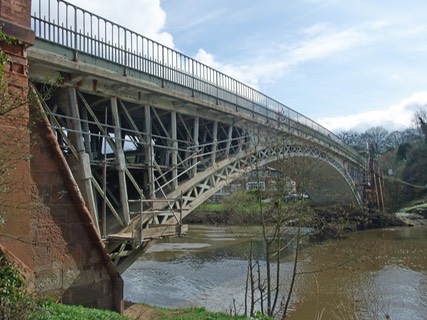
{"x": 89, "y": 35}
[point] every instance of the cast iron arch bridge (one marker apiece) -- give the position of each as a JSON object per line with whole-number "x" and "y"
{"x": 150, "y": 133}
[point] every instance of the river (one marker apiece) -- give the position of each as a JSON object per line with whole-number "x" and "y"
{"x": 371, "y": 274}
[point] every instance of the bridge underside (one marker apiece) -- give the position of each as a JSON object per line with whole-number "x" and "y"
{"x": 323, "y": 182}
{"x": 146, "y": 155}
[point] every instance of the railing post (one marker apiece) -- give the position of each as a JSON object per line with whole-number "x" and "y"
{"x": 125, "y": 54}
{"x": 75, "y": 34}
{"x": 193, "y": 77}
{"x": 163, "y": 66}
{"x": 40, "y": 19}
{"x": 217, "y": 87}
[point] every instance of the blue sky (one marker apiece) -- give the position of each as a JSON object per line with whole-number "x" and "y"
{"x": 346, "y": 64}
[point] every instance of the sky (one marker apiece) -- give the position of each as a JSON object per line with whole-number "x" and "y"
{"x": 346, "y": 64}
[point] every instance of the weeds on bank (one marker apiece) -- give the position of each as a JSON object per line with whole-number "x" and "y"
{"x": 195, "y": 314}
{"x": 57, "y": 311}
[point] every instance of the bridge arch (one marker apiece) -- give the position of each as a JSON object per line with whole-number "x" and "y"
{"x": 326, "y": 179}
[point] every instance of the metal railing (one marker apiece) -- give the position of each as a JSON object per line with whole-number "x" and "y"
{"x": 67, "y": 25}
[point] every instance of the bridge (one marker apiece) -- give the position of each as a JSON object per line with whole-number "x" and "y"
{"x": 150, "y": 133}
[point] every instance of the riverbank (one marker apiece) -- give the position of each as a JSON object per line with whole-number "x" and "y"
{"x": 415, "y": 215}
{"x": 329, "y": 221}
{"x": 138, "y": 311}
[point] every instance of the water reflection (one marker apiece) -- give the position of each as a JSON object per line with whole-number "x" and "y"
{"x": 369, "y": 275}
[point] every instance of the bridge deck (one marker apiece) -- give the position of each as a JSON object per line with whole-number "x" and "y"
{"x": 138, "y": 120}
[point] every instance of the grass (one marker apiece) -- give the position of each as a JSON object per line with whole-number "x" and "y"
{"x": 245, "y": 207}
{"x": 192, "y": 314}
{"x": 212, "y": 207}
{"x": 57, "y": 311}
{"x": 420, "y": 206}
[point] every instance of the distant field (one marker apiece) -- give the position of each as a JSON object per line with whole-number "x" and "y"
{"x": 211, "y": 207}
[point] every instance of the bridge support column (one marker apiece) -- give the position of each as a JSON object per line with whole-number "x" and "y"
{"x": 214, "y": 142}
{"x": 87, "y": 137}
{"x": 84, "y": 160}
{"x": 196, "y": 145}
{"x": 229, "y": 137}
{"x": 149, "y": 153}
{"x": 120, "y": 162}
{"x": 174, "y": 154}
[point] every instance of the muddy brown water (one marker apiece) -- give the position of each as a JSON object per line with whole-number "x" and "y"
{"x": 374, "y": 274}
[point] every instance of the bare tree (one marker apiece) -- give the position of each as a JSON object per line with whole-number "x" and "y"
{"x": 351, "y": 138}
{"x": 410, "y": 135}
{"x": 266, "y": 291}
{"x": 375, "y": 138}
{"x": 420, "y": 121}
{"x": 394, "y": 139}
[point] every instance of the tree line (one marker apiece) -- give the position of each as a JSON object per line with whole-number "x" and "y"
{"x": 378, "y": 140}
{"x": 401, "y": 154}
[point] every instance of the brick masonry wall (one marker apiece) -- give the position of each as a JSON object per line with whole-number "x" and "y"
{"x": 43, "y": 229}
{"x": 66, "y": 263}
{"x": 15, "y": 142}
{"x": 16, "y": 11}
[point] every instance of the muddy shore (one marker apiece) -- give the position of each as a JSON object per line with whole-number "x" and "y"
{"x": 334, "y": 224}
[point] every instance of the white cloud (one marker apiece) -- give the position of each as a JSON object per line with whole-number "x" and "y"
{"x": 145, "y": 17}
{"x": 395, "y": 77}
{"x": 318, "y": 42}
{"x": 395, "y": 117}
{"x": 322, "y": 43}
{"x": 243, "y": 73}
{"x": 206, "y": 58}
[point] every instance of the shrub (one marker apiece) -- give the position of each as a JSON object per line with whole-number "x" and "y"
{"x": 15, "y": 303}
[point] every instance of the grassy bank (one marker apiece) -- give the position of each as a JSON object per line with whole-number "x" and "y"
{"x": 146, "y": 312}
{"x": 54, "y": 311}
{"x": 17, "y": 303}
{"x": 58, "y": 311}
{"x": 419, "y": 207}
